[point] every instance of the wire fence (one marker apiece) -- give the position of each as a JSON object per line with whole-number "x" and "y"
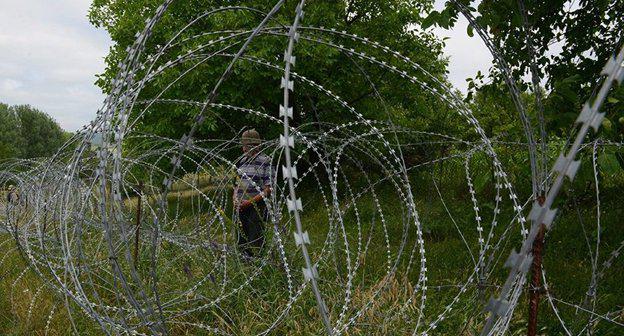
{"x": 141, "y": 239}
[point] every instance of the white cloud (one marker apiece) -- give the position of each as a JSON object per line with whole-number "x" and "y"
{"x": 467, "y": 55}
{"x": 9, "y": 84}
{"x": 49, "y": 56}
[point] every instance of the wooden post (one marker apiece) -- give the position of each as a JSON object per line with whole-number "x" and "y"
{"x": 138, "y": 225}
{"x": 535, "y": 287}
{"x": 45, "y": 218}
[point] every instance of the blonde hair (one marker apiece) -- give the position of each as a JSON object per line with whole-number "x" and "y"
{"x": 251, "y": 137}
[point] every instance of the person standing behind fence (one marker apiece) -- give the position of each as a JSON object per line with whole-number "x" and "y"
{"x": 253, "y": 187}
{"x": 12, "y": 201}
{"x": 12, "y": 196}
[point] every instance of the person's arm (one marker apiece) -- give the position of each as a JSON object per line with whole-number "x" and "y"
{"x": 265, "y": 193}
{"x": 249, "y": 202}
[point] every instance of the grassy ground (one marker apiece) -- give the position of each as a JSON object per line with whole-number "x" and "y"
{"x": 27, "y": 306}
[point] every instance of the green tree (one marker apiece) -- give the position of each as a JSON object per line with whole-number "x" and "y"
{"x": 250, "y": 85}
{"x": 11, "y": 141}
{"x": 586, "y": 32}
{"x": 26, "y": 132}
{"x": 41, "y": 134}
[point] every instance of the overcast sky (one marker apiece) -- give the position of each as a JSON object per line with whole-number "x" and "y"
{"x": 50, "y": 53}
{"x": 467, "y": 54}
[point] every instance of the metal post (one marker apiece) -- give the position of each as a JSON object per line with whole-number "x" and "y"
{"x": 535, "y": 287}
{"x": 138, "y": 224}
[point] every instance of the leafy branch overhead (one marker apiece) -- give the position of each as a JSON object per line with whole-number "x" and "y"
{"x": 390, "y": 22}
{"x": 571, "y": 42}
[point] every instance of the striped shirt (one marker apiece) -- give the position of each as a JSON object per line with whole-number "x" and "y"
{"x": 254, "y": 173}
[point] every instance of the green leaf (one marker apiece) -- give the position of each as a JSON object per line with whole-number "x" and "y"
{"x": 430, "y": 20}
{"x": 608, "y": 163}
{"x": 481, "y": 181}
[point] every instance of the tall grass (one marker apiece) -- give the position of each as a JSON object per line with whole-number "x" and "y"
{"x": 389, "y": 304}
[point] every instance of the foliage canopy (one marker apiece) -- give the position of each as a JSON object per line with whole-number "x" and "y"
{"x": 571, "y": 41}
{"x": 26, "y": 132}
{"x": 392, "y": 23}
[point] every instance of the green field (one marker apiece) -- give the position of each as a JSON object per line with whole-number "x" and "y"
{"x": 392, "y": 303}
